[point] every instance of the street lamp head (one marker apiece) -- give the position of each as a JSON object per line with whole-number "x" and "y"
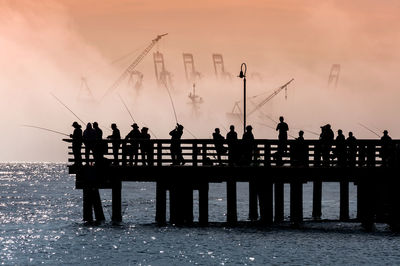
{"x": 243, "y": 74}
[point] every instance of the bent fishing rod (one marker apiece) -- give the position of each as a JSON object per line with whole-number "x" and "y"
{"x": 130, "y": 114}
{"x": 46, "y": 129}
{"x": 173, "y": 108}
{"x": 63, "y": 104}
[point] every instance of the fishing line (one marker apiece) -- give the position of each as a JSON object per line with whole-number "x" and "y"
{"x": 172, "y": 102}
{"x": 55, "y": 97}
{"x": 46, "y": 129}
{"x": 370, "y": 130}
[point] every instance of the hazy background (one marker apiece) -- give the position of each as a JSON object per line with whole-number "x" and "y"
{"x": 47, "y": 46}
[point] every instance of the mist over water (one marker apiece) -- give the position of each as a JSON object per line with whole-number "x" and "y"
{"x": 48, "y": 47}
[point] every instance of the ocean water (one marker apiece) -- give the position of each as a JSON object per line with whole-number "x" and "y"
{"x": 40, "y": 223}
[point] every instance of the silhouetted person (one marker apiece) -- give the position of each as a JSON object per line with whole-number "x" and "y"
{"x": 115, "y": 138}
{"x": 300, "y": 152}
{"x": 145, "y": 147}
{"x": 340, "y": 150}
{"x": 133, "y": 149}
{"x": 248, "y": 145}
{"x": 77, "y": 143}
{"x": 98, "y": 150}
{"x": 283, "y": 128}
{"x": 351, "y": 143}
{"x": 89, "y": 138}
{"x": 386, "y": 152}
{"x": 219, "y": 144}
{"x": 176, "y": 150}
{"x": 231, "y": 138}
{"x": 326, "y": 138}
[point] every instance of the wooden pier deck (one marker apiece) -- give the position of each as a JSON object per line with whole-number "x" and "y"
{"x": 377, "y": 180}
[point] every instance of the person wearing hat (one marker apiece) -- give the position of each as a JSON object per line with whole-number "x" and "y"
{"x": 145, "y": 147}
{"x": 386, "y": 152}
{"x": 219, "y": 144}
{"x": 299, "y": 150}
{"x": 231, "y": 138}
{"x": 133, "y": 139}
{"x": 115, "y": 138}
{"x": 248, "y": 145}
{"x": 176, "y": 150}
{"x": 77, "y": 143}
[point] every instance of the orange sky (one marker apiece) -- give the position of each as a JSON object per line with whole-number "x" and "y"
{"x": 47, "y": 45}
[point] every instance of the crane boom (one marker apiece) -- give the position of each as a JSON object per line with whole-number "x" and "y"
{"x": 132, "y": 66}
{"x": 261, "y": 104}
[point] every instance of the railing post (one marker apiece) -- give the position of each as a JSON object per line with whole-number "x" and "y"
{"x": 195, "y": 153}
{"x": 267, "y": 154}
{"x": 371, "y": 159}
{"x": 204, "y": 153}
{"x": 159, "y": 154}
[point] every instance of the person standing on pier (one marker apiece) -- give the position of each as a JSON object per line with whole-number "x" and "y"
{"x": 133, "y": 137}
{"x": 231, "y": 138}
{"x": 77, "y": 143}
{"x": 386, "y": 152}
{"x": 248, "y": 145}
{"x": 219, "y": 144}
{"x": 326, "y": 138}
{"x": 176, "y": 150}
{"x": 145, "y": 147}
{"x": 299, "y": 151}
{"x": 115, "y": 138}
{"x": 351, "y": 143}
{"x": 98, "y": 149}
{"x": 89, "y": 141}
{"x": 283, "y": 128}
{"x": 340, "y": 150}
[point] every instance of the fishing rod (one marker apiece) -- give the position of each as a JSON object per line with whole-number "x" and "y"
{"x": 126, "y": 107}
{"x": 370, "y": 130}
{"x": 55, "y": 97}
{"x": 172, "y": 102}
{"x": 46, "y": 129}
{"x": 265, "y": 125}
{"x": 130, "y": 114}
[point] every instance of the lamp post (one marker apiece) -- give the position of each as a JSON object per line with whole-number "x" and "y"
{"x": 242, "y": 75}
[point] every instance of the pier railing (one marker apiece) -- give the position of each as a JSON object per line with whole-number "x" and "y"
{"x": 263, "y": 153}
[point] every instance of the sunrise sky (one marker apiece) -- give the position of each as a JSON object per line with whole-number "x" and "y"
{"x": 47, "y": 45}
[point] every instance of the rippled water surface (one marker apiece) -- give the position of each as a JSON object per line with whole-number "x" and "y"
{"x": 40, "y": 222}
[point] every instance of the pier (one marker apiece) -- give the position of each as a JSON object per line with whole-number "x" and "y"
{"x": 377, "y": 181}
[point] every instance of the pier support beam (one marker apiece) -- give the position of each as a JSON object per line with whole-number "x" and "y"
{"x": 253, "y": 204}
{"x": 97, "y": 206}
{"x": 266, "y": 202}
{"x": 231, "y": 200}
{"x": 203, "y": 204}
{"x": 279, "y": 202}
{"x": 296, "y": 202}
{"x": 87, "y": 205}
{"x": 161, "y": 203}
{"x": 366, "y": 210}
{"x": 116, "y": 202}
{"x": 344, "y": 201}
{"x": 317, "y": 200}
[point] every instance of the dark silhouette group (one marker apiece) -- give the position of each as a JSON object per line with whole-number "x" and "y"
{"x": 239, "y": 152}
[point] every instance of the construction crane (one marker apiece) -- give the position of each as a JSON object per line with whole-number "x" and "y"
{"x": 272, "y": 95}
{"x": 237, "y": 111}
{"x": 130, "y": 69}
